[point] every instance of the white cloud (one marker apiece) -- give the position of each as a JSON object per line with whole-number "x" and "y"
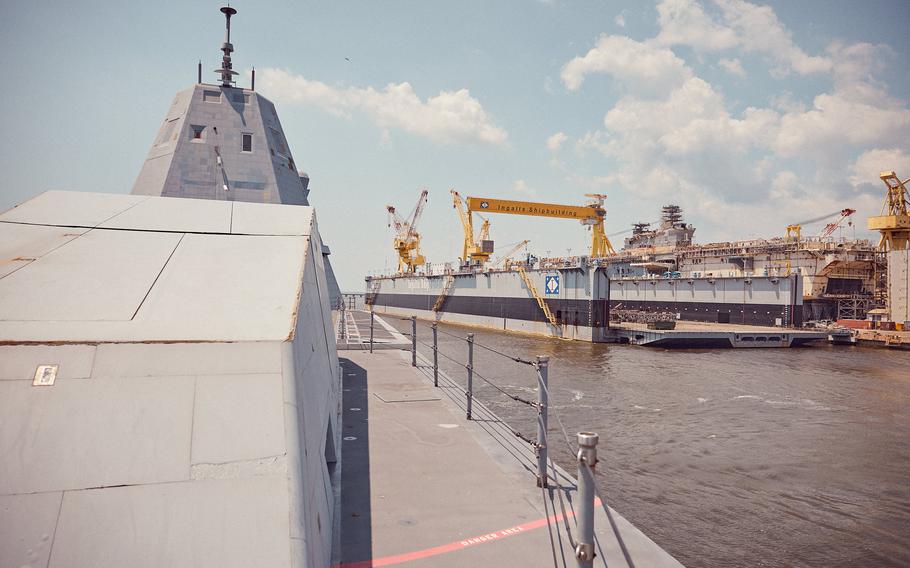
{"x": 741, "y": 25}
{"x": 838, "y": 120}
{"x": 450, "y": 116}
{"x": 733, "y": 66}
{"x": 684, "y": 22}
{"x": 758, "y": 30}
{"x": 867, "y": 167}
{"x": 555, "y": 142}
{"x": 742, "y": 172}
{"x": 640, "y": 67}
{"x": 620, "y": 21}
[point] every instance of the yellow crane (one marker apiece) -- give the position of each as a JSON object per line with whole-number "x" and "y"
{"x": 894, "y": 222}
{"x": 591, "y": 215}
{"x": 505, "y": 259}
{"x": 407, "y": 239}
{"x": 474, "y": 251}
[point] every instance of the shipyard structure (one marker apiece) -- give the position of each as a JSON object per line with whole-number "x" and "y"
{"x": 659, "y": 273}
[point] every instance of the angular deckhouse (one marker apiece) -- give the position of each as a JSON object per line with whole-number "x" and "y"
{"x": 222, "y": 143}
{"x": 225, "y": 143}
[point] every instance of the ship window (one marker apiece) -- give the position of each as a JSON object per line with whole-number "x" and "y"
{"x": 247, "y": 144}
{"x": 211, "y": 96}
{"x": 196, "y": 131}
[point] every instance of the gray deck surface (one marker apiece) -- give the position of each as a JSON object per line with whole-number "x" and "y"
{"x": 417, "y": 476}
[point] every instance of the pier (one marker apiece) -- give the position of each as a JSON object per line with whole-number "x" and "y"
{"x": 423, "y": 485}
{"x": 698, "y": 334}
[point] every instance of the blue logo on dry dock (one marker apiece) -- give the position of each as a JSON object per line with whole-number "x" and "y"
{"x": 551, "y": 285}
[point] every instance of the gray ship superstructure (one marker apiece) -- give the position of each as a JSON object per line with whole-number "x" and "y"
{"x": 225, "y": 143}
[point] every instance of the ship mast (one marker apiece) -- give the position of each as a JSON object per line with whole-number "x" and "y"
{"x": 227, "y": 72}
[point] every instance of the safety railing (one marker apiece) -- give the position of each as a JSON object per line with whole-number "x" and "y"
{"x": 583, "y": 541}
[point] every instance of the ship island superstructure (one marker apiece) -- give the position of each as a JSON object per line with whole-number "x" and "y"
{"x": 838, "y": 275}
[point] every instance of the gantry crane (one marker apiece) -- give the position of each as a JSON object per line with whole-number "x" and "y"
{"x": 894, "y": 222}
{"x": 475, "y": 251}
{"x": 591, "y": 215}
{"x": 794, "y": 231}
{"x": 407, "y": 239}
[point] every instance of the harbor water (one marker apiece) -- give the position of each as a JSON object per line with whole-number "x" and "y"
{"x": 745, "y": 457}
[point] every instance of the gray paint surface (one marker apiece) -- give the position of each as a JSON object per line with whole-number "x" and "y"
{"x": 196, "y": 392}
{"x": 181, "y": 165}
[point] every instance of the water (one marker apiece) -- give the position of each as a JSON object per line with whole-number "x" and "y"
{"x": 765, "y": 457}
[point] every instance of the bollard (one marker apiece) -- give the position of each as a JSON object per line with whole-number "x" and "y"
{"x": 413, "y": 341}
{"x": 372, "y": 317}
{"x": 435, "y": 357}
{"x": 543, "y": 365}
{"x": 470, "y": 368}
{"x": 587, "y": 459}
{"x": 342, "y": 323}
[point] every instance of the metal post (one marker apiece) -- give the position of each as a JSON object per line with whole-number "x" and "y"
{"x": 413, "y": 341}
{"x": 543, "y": 365}
{"x": 342, "y": 323}
{"x": 372, "y": 318}
{"x": 587, "y": 459}
{"x": 470, "y": 367}
{"x": 435, "y": 357}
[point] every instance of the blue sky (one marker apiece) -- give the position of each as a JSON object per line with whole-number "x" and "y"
{"x": 751, "y": 116}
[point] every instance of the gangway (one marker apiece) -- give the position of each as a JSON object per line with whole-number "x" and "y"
{"x": 540, "y": 301}
{"x": 446, "y": 288}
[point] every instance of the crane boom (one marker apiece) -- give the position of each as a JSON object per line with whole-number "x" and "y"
{"x": 795, "y": 230}
{"x": 591, "y": 215}
{"x": 473, "y": 250}
{"x": 509, "y": 253}
{"x": 489, "y": 205}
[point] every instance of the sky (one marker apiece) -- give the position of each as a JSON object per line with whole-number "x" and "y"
{"x": 751, "y": 116}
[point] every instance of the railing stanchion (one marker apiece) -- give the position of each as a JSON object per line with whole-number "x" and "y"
{"x": 470, "y": 368}
{"x": 413, "y": 341}
{"x": 587, "y": 459}
{"x": 435, "y": 356}
{"x": 543, "y": 365}
{"x": 372, "y": 318}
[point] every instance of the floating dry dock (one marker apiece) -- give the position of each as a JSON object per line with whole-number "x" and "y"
{"x": 575, "y": 302}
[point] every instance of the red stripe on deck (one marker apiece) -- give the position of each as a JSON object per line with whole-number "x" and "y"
{"x": 458, "y": 544}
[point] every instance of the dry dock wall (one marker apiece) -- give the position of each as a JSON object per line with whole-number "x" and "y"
{"x": 766, "y": 301}
{"x": 501, "y": 300}
{"x": 899, "y": 285}
{"x": 194, "y": 416}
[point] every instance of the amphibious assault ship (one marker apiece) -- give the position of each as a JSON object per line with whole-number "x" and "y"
{"x": 838, "y": 275}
